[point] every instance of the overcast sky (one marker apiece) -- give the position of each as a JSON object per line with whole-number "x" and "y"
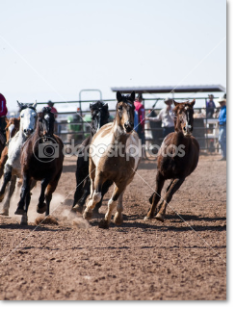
{"x": 50, "y": 50}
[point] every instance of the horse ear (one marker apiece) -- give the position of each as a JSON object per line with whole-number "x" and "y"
{"x": 35, "y": 104}
{"x": 19, "y": 104}
{"x": 119, "y": 96}
{"x": 133, "y": 96}
{"x": 176, "y": 103}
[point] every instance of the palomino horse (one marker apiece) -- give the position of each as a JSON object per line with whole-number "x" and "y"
{"x": 100, "y": 116}
{"x": 12, "y": 168}
{"x": 115, "y": 161}
{"x": 41, "y": 159}
{"x": 177, "y": 158}
{"x": 13, "y": 125}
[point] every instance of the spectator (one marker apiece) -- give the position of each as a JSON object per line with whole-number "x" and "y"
{"x": 210, "y": 106}
{"x": 222, "y": 127}
{"x": 167, "y": 116}
{"x": 54, "y": 111}
{"x": 139, "y": 118}
{"x": 3, "y": 113}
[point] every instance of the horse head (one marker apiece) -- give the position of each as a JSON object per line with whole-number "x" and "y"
{"x": 125, "y": 112}
{"x": 12, "y": 127}
{"x": 28, "y": 117}
{"x": 99, "y": 114}
{"x": 47, "y": 118}
{"x": 184, "y": 117}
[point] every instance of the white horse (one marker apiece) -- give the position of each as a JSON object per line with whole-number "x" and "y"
{"x": 12, "y": 168}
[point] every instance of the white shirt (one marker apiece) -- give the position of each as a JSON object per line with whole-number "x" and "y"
{"x": 167, "y": 117}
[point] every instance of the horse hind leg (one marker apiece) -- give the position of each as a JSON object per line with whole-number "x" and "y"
{"x": 118, "y": 218}
{"x": 105, "y": 189}
{"x": 155, "y": 197}
{"x": 174, "y": 186}
{"x": 6, "y": 206}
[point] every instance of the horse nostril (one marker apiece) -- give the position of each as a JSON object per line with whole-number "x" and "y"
{"x": 25, "y": 130}
{"x": 184, "y": 128}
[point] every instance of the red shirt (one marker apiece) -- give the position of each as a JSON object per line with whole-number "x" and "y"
{"x": 54, "y": 111}
{"x": 139, "y": 107}
{"x": 3, "y": 105}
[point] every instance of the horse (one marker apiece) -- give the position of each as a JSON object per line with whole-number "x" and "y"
{"x": 177, "y": 158}
{"x": 100, "y": 116}
{"x": 116, "y": 164}
{"x": 13, "y": 125}
{"x": 41, "y": 159}
{"x": 12, "y": 168}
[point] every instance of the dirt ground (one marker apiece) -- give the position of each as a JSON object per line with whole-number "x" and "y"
{"x": 183, "y": 258}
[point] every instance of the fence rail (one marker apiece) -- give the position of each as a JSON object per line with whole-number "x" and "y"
{"x": 205, "y": 129}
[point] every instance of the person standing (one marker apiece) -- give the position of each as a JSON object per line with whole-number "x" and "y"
{"x": 222, "y": 127}
{"x": 139, "y": 118}
{"x": 210, "y": 106}
{"x": 3, "y": 114}
{"x": 167, "y": 116}
{"x": 54, "y": 111}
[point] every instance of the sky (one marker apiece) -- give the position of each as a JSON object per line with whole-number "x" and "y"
{"x": 50, "y": 50}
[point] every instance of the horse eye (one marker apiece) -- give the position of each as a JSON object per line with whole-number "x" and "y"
{"x": 120, "y": 107}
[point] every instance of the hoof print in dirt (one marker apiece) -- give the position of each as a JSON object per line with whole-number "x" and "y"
{"x": 103, "y": 224}
{"x": 46, "y": 220}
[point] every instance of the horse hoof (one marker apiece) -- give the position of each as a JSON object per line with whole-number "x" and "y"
{"x": 160, "y": 217}
{"x": 77, "y": 208}
{"x": 147, "y": 218}
{"x": 5, "y": 212}
{"x": 118, "y": 218}
{"x": 24, "y": 220}
{"x": 87, "y": 215}
{"x": 103, "y": 224}
{"x": 19, "y": 211}
{"x": 42, "y": 209}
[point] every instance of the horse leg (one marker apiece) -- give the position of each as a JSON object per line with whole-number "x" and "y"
{"x": 6, "y": 205}
{"x": 175, "y": 185}
{"x": 24, "y": 192}
{"x": 105, "y": 189}
{"x": 95, "y": 195}
{"x": 155, "y": 196}
{"x": 81, "y": 180}
{"x": 7, "y": 178}
{"x": 24, "y": 218}
{"x": 42, "y": 207}
{"x": 86, "y": 193}
{"x": 49, "y": 190}
{"x": 104, "y": 223}
{"x": 3, "y": 160}
{"x": 118, "y": 218}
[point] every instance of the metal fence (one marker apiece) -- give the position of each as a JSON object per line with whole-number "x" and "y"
{"x": 71, "y": 124}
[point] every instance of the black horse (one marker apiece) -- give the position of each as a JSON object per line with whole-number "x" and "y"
{"x": 100, "y": 116}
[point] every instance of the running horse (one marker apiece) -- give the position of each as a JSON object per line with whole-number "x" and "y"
{"x": 12, "y": 168}
{"x": 116, "y": 161}
{"x": 177, "y": 159}
{"x": 13, "y": 125}
{"x": 41, "y": 159}
{"x": 100, "y": 116}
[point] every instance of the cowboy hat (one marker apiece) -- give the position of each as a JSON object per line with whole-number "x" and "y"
{"x": 221, "y": 100}
{"x": 168, "y": 100}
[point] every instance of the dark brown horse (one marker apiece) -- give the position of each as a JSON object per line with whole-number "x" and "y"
{"x": 13, "y": 125}
{"x": 177, "y": 159}
{"x": 41, "y": 159}
{"x": 100, "y": 116}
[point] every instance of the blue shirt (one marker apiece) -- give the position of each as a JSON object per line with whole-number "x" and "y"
{"x": 222, "y": 116}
